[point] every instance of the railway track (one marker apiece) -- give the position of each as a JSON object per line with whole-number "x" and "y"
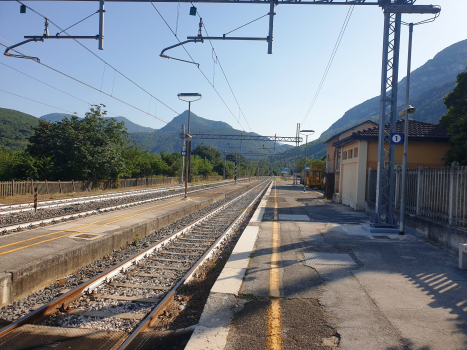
{"x": 111, "y": 310}
{"x": 22, "y": 216}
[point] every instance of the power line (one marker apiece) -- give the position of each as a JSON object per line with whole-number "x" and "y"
{"x": 123, "y": 75}
{"x": 102, "y": 92}
{"x": 204, "y": 75}
{"x": 42, "y": 103}
{"x": 53, "y": 87}
{"x": 331, "y": 59}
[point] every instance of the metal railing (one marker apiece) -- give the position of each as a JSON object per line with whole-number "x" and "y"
{"x": 437, "y": 193}
{"x": 12, "y": 188}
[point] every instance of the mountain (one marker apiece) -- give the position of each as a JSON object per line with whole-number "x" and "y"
{"x": 167, "y": 138}
{"x": 15, "y": 129}
{"x": 131, "y": 127}
{"x": 437, "y": 72}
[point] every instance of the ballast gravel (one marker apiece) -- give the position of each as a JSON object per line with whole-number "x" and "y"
{"x": 22, "y": 307}
{"x": 42, "y": 214}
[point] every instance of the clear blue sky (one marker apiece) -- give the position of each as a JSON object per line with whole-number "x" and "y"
{"x": 274, "y": 91}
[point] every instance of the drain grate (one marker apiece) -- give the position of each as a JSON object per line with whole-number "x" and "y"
{"x": 381, "y": 237}
{"x": 328, "y": 259}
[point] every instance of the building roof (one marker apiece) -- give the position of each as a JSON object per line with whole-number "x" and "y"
{"x": 350, "y": 128}
{"x": 418, "y": 131}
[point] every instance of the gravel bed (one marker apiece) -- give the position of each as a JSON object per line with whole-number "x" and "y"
{"x": 41, "y": 214}
{"x": 22, "y": 307}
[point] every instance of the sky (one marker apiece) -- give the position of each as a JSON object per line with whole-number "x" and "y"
{"x": 272, "y": 92}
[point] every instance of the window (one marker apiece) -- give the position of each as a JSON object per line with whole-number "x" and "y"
{"x": 328, "y": 156}
{"x": 350, "y": 153}
{"x": 355, "y": 152}
{"x": 344, "y": 155}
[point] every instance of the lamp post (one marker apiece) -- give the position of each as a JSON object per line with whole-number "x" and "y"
{"x": 306, "y": 153}
{"x": 188, "y": 97}
{"x": 405, "y": 113}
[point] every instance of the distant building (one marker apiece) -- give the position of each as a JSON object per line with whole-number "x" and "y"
{"x": 357, "y": 151}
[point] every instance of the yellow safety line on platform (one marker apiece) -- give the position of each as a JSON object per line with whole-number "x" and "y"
{"x": 274, "y": 335}
{"x": 124, "y": 217}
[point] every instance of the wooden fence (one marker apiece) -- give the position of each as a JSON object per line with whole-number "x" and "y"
{"x": 12, "y": 188}
{"x": 437, "y": 193}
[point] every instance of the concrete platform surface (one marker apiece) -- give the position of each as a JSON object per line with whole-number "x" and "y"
{"x": 341, "y": 286}
{"x": 33, "y": 259}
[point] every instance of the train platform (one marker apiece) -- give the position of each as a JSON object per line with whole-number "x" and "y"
{"x": 34, "y": 258}
{"x": 306, "y": 275}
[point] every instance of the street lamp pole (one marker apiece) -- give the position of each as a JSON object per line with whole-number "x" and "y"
{"x": 197, "y": 97}
{"x": 407, "y": 110}
{"x": 306, "y": 155}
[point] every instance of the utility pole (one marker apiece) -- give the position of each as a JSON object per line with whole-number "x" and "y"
{"x": 182, "y": 160}
{"x": 225, "y": 160}
{"x": 187, "y": 136}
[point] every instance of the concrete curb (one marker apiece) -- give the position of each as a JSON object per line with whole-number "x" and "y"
{"x": 213, "y": 328}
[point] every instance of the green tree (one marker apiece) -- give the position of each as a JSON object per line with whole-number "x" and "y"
{"x": 172, "y": 160}
{"x": 85, "y": 149}
{"x": 455, "y": 121}
{"x": 209, "y": 153}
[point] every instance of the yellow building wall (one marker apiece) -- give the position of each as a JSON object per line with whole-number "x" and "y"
{"x": 430, "y": 154}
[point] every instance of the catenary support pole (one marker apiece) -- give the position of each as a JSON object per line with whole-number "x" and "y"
{"x": 101, "y": 25}
{"x": 304, "y": 180}
{"x": 225, "y": 160}
{"x": 406, "y": 134}
{"x": 271, "y": 25}
{"x": 383, "y": 216}
{"x": 236, "y": 153}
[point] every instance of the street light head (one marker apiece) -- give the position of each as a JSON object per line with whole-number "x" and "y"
{"x": 189, "y": 96}
{"x": 307, "y": 131}
{"x": 410, "y": 110}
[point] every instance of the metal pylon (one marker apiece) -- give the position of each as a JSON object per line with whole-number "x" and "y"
{"x": 383, "y": 215}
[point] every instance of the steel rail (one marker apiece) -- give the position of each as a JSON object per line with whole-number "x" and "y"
{"x": 31, "y": 224}
{"x": 152, "y": 318}
{"x": 94, "y": 197}
{"x": 51, "y": 308}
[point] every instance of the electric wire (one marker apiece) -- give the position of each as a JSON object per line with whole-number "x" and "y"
{"x": 42, "y": 103}
{"x": 79, "y": 22}
{"x": 87, "y": 49}
{"x": 267, "y": 14}
{"x": 53, "y": 87}
{"x": 204, "y": 75}
{"x": 222, "y": 69}
{"x": 102, "y": 92}
{"x": 331, "y": 59}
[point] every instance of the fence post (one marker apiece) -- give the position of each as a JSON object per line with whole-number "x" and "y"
{"x": 46, "y": 186}
{"x": 60, "y": 186}
{"x": 12, "y": 187}
{"x": 420, "y": 178}
{"x": 453, "y": 194}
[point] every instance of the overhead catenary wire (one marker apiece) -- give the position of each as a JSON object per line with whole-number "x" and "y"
{"x": 87, "y": 49}
{"x": 42, "y": 103}
{"x": 102, "y": 92}
{"x": 53, "y": 87}
{"x": 331, "y": 59}
{"x": 204, "y": 75}
{"x": 222, "y": 69}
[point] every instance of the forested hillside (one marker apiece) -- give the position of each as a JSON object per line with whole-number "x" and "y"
{"x": 437, "y": 72}
{"x": 15, "y": 129}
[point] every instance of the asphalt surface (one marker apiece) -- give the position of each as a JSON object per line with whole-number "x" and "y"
{"x": 340, "y": 286}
